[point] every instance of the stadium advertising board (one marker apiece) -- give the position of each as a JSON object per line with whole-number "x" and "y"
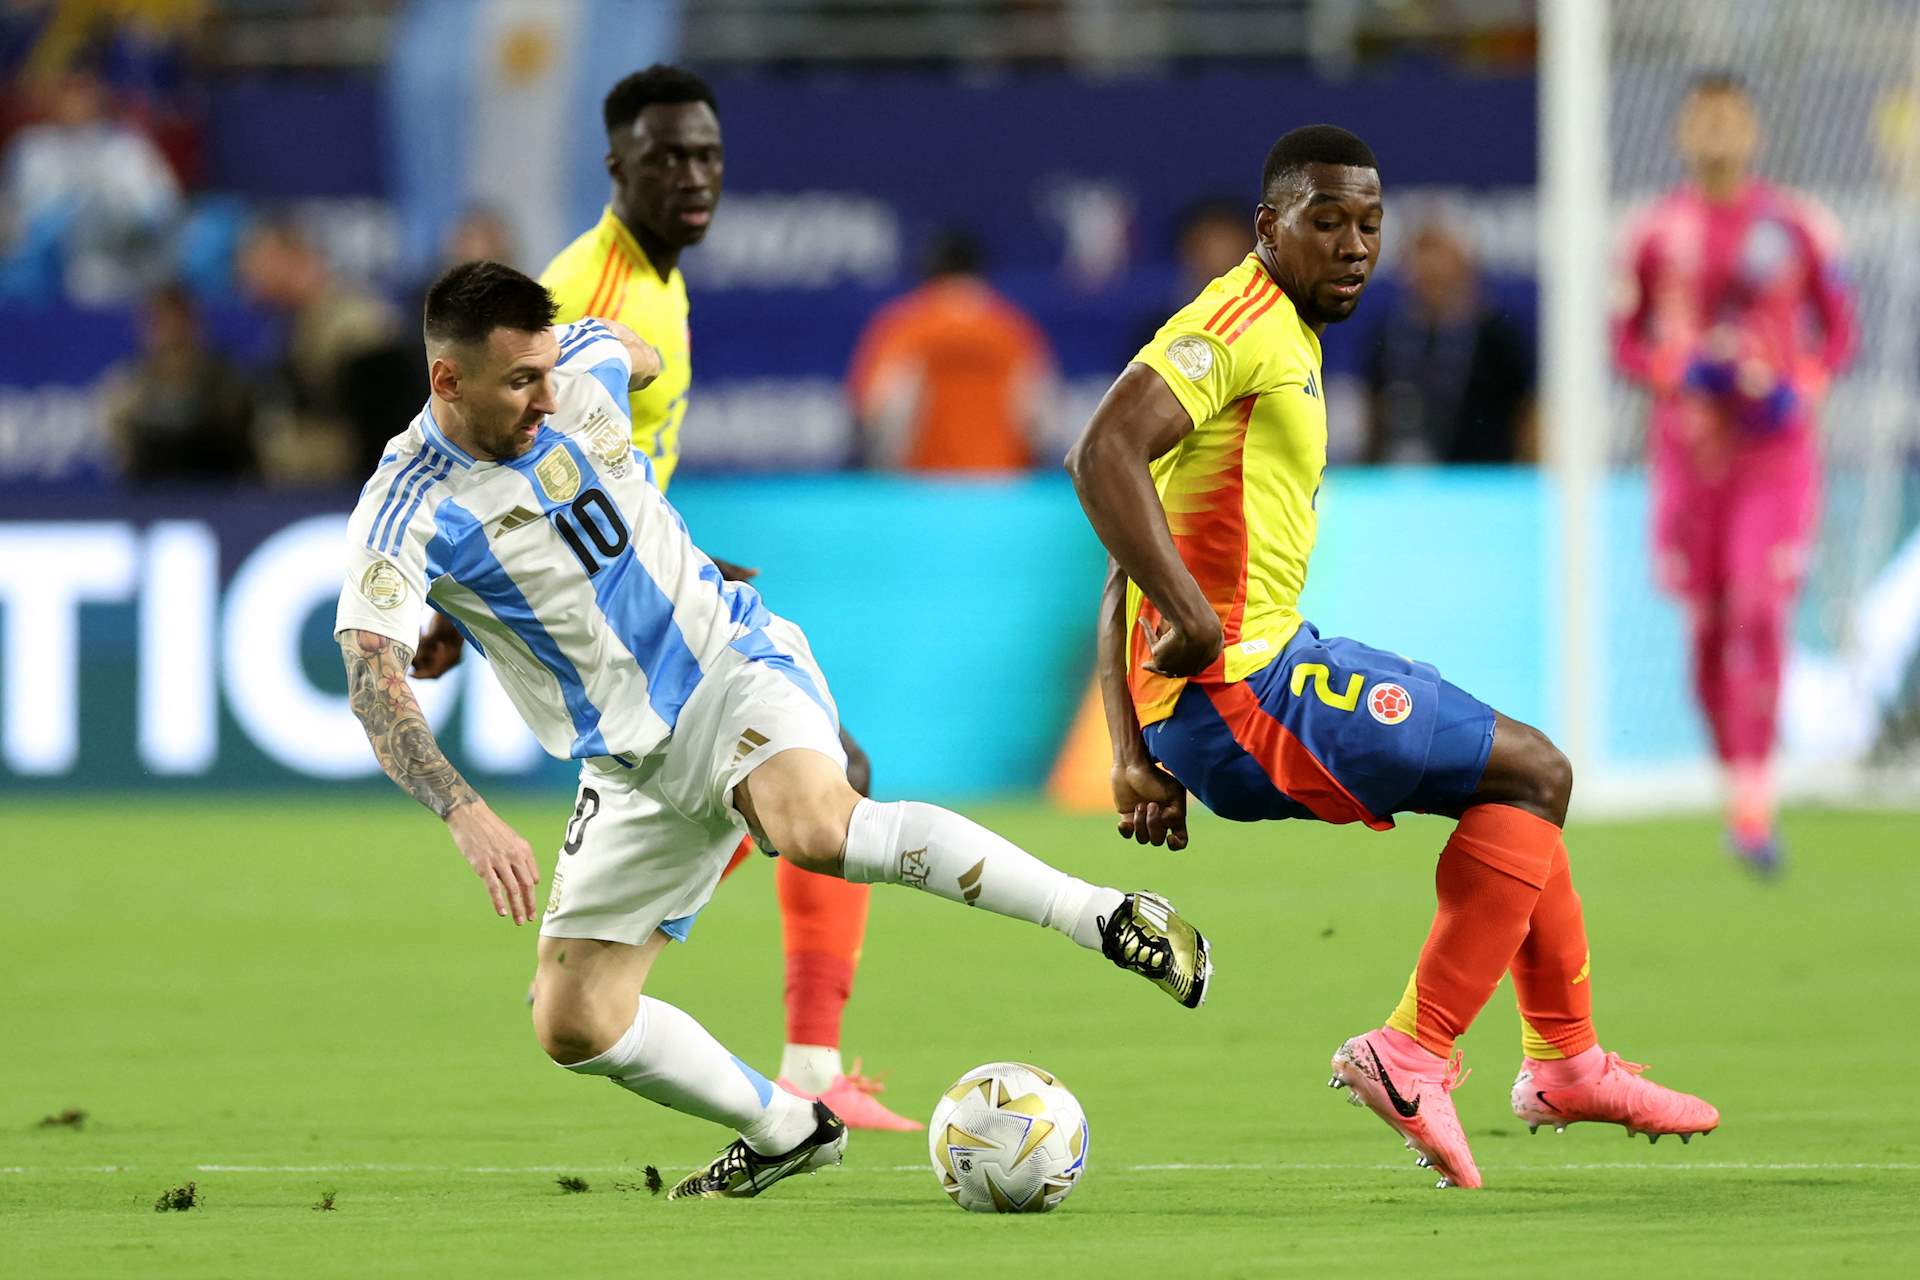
{"x": 187, "y": 638}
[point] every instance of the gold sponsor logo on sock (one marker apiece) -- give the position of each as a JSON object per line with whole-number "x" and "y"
{"x": 970, "y": 882}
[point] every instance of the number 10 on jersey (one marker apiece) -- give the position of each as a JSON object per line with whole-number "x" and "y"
{"x": 593, "y": 530}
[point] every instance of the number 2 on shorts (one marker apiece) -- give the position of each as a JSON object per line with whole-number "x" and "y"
{"x": 1322, "y": 679}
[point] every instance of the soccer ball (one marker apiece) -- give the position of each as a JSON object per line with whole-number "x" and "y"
{"x": 1008, "y": 1138}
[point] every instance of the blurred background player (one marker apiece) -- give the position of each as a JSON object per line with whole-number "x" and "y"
{"x": 1450, "y": 376}
{"x": 87, "y": 201}
{"x": 181, "y": 411}
{"x": 666, "y": 159}
{"x": 1210, "y": 237}
{"x": 953, "y": 376}
{"x": 1201, "y": 471}
{"x": 347, "y": 369}
{"x": 1735, "y": 320}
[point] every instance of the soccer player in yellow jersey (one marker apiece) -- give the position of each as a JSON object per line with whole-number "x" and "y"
{"x": 666, "y": 160}
{"x": 1200, "y": 472}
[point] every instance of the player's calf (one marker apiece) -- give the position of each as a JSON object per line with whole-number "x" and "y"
{"x": 592, "y": 1019}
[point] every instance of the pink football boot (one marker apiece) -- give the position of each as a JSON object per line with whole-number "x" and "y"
{"x": 1610, "y": 1090}
{"x": 1408, "y": 1087}
{"x": 851, "y": 1097}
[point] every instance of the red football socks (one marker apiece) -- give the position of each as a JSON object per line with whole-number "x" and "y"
{"x": 1488, "y": 881}
{"x": 824, "y": 920}
{"x": 1550, "y": 972}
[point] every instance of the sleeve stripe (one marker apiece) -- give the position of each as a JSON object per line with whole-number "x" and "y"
{"x": 626, "y": 279}
{"x": 440, "y": 472}
{"x": 393, "y": 497}
{"x": 417, "y": 472}
{"x": 606, "y": 266}
{"x": 1251, "y": 286}
{"x": 1266, "y": 287}
{"x": 1257, "y": 313}
{"x": 579, "y": 336}
{"x": 604, "y": 344}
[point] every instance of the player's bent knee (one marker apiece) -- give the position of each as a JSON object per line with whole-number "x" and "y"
{"x": 1547, "y": 778}
{"x": 801, "y": 802}
{"x": 814, "y": 842}
{"x": 1529, "y": 772}
{"x": 1556, "y": 777}
{"x": 569, "y": 1034}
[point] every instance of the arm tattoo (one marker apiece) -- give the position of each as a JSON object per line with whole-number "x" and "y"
{"x": 378, "y": 692}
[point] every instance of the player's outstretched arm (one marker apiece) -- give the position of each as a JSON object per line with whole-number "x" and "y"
{"x": 1137, "y": 421}
{"x": 1151, "y": 802}
{"x": 642, "y": 354}
{"x": 404, "y": 744}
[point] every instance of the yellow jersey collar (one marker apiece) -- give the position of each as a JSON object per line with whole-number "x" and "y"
{"x": 625, "y": 239}
{"x": 1260, "y": 266}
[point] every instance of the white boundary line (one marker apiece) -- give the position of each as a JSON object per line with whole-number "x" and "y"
{"x": 1682, "y": 1166}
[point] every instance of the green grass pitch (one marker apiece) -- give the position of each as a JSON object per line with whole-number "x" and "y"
{"x": 283, "y": 998}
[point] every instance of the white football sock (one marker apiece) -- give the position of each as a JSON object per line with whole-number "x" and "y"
{"x": 930, "y": 848}
{"x": 668, "y": 1058}
{"x": 810, "y": 1068}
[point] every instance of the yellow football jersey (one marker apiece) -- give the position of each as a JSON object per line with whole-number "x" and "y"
{"x": 605, "y": 273}
{"x": 1239, "y": 490}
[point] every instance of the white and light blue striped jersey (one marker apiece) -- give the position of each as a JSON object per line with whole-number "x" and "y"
{"x": 565, "y": 567}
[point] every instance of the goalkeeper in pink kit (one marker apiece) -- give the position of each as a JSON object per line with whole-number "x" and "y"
{"x": 1735, "y": 318}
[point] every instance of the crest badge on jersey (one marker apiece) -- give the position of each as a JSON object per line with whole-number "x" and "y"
{"x": 1389, "y": 703}
{"x": 382, "y": 585}
{"x": 558, "y": 474}
{"x": 1191, "y": 356}
{"x": 611, "y": 447}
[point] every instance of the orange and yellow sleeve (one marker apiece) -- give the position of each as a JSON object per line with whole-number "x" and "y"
{"x": 1199, "y": 353}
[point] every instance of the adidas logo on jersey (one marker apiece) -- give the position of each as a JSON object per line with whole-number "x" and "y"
{"x": 514, "y": 519}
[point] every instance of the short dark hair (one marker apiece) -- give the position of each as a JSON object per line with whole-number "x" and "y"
{"x": 1209, "y": 210}
{"x": 281, "y": 225}
{"x": 1718, "y": 80}
{"x": 473, "y": 299}
{"x": 656, "y": 85}
{"x": 954, "y": 252}
{"x": 1313, "y": 144}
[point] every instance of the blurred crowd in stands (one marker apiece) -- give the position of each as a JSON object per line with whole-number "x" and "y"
{"x": 100, "y": 154}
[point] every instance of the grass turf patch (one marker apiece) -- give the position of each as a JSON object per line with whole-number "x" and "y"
{"x": 278, "y": 1000}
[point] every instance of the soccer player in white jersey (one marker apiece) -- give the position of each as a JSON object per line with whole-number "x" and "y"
{"x": 516, "y": 506}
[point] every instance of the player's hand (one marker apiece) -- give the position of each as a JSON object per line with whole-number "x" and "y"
{"x": 500, "y": 856}
{"x": 1180, "y": 652}
{"x": 734, "y": 572}
{"x": 439, "y": 649}
{"x": 643, "y": 358}
{"x": 647, "y": 364}
{"x": 1152, "y": 804}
